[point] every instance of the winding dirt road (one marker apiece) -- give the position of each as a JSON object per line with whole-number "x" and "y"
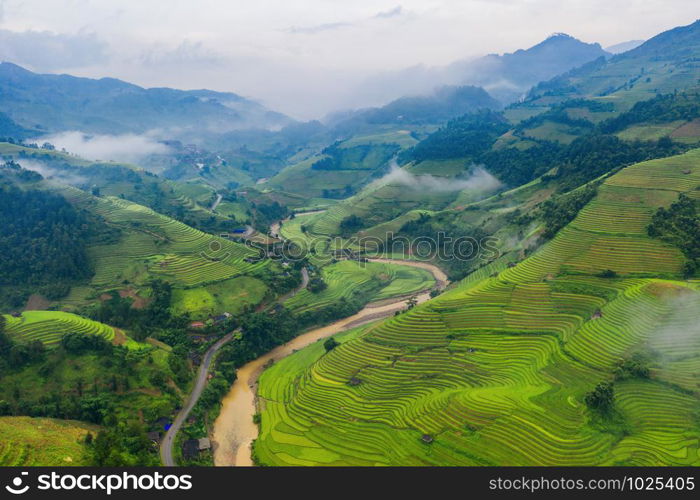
{"x": 166, "y": 446}
{"x": 216, "y": 203}
{"x": 234, "y": 430}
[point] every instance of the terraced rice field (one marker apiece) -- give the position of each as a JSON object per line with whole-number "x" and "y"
{"x": 318, "y": 248}
{"x": 494, "y": 372}
{"x": 26, "y": 442}
{"x": 359, "y": 161}
{"x": 380, "y": 202}
{"x": 156, "y": 245}
{"x": 367, "y": 281}
{"x": 50, "y": 326}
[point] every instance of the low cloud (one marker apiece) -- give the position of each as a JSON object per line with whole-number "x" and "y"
{"x": 396, "y": 11}
{"x": 126, "y": 148}
{"x": 51, "y": 173}
{"x": 319, "y": 28}
{"x": 680, "y": 326}
{"x": 478, "y": 180}
{"x": 312, "y": 30}
{"x": 188, "y": 52}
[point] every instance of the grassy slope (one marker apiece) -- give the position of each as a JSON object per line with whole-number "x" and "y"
{"x": 140, "y": 186}
{"x": 154, "y": 245}
{"x": 383, "y": 201}
{"x": 26, "y": 441}
{"x": 496, "y": 369}
{"x": 50, "y": 326}
{"x": 137, "y": 395}
{"x": 369, "y": 281}
{"x": 300, "y": 178}
{"x": 489, "y": 214}
{"x": 225, "y": 296}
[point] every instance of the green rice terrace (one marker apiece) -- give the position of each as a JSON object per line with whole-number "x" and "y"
{"x": 154, "y": 245}
{"x": 49, "y": 327}
{"x": 501, "y": 369}
{"x": 369, "y": 281}
{"x": 343, "y": 167}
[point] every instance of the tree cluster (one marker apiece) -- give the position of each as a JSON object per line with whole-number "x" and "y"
{"x": 43, "y": 238}
{"x": 679, "y": 225}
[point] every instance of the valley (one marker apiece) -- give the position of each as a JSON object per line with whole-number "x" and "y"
{"x": 235, "y": 429}
{"x": 502, "y": 269}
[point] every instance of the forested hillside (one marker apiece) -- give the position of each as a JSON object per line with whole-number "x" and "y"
{"x": 44, "y": 240}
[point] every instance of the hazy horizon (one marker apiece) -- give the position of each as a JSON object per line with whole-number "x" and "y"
{"x": 303, "y": 58}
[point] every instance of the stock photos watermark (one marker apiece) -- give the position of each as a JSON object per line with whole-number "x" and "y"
{"x": 441, "y": 247}
{"x": 99, "y": 483}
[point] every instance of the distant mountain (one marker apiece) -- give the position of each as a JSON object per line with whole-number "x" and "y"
{"x": 619, "y": 48}
{"x": 661, "y": 65}
{"x": 506, "y": 77}
{"x": 443, "y": 104}
{"x": 9, "y": 128}
{"x": 53, "y": 103}
{"x": 509, "y": 76}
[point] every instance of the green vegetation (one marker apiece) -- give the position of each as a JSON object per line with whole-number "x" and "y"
{"x": 26, "y": 442}
{"x": 361, "y": 282}
{"x": 445, "y": 103}
{"x": 661, "y": 65}
{"x": 498, "y": 369}
{"x": 37, "y": 226}
{"x": 680, "y": 225}
{"x": 585, "y": 159}
{"x": 188, "y": 203}
{"x": 601, "y": 398}
{"x": 578, "y": 352}
{"x": 350, "y": 224}
{"x": 49, "y": 327}
{"x": 60, "y": 365}
{"x": 232, "y": 296}
{"x": 153, "y": 245}
{"x": 666, "y": 108}
{"x": 86, "y": 378}
{"x": 468, "y": 136}
{"x": 343, "y": 167}
{"x": 559, "y": 211}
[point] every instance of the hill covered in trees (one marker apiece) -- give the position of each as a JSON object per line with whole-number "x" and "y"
{"x": 43, "y": 239}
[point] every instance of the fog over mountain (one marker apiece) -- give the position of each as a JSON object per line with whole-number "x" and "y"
{"x": 619, "y": 48}
{"x": 506, "y": 77}
{"x": 59, "y": 103}
{"x": 310, "y": 57}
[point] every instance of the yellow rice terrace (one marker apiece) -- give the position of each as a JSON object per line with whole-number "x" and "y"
{"x": 514, "y": 369}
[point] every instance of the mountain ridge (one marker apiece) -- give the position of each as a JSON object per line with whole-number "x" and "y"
{"x": 495, "y": 72}
{"x": 60, "y": 102}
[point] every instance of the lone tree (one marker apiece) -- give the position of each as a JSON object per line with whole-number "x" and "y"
{"x": 608, "y": 273}
{"x": 330, "y": 344}
{"x": 601, "y": 398}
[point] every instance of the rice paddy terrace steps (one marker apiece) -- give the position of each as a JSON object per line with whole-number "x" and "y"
{"x": 495, "y": 371}
{"x": 49, "y": 327}
{"x": 156, "y": 245}
{"x": 372, "y": 281}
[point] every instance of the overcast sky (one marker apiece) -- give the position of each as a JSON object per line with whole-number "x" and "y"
{"x": 301, "y": 57}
